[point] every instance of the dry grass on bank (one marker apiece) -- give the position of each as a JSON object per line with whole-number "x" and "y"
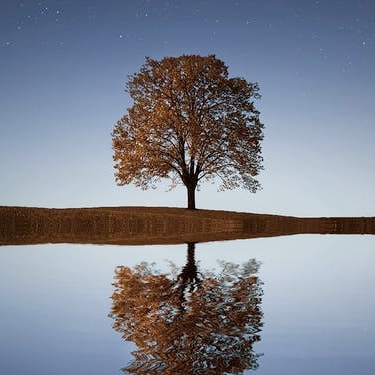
{"x": 158, "y": 225}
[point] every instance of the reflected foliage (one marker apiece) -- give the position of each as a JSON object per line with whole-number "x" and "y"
{"x": 187, "y": 321}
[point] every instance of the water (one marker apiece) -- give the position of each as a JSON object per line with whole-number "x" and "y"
{"x": 317, "y": 305}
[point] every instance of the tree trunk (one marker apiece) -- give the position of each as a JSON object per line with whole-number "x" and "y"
{"x": 191, "y": 196}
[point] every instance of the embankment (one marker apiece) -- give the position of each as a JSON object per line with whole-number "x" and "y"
{"x": 159, "y": 225}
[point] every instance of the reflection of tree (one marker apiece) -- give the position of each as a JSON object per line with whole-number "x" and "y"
{"x": 189, "y": 323}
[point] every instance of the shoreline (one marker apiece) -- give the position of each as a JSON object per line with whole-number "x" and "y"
{"x": 137, "y": 225}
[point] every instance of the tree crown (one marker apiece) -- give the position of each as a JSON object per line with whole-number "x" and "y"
{"x": 189, "y": 121}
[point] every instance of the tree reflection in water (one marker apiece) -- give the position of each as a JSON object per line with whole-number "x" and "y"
{"x": 189, "y": 322}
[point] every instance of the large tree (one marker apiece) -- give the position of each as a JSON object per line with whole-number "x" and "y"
{"x": 189, "y": 122}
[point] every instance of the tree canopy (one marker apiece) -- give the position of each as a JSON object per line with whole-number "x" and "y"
{"x": 189, "y": 122}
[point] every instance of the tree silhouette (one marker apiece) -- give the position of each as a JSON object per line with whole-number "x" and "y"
{"x": 189, "y": 322}
{"x": 189, "y": 122}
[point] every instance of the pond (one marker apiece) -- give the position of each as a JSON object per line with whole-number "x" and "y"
{"x": 301, "y": 304}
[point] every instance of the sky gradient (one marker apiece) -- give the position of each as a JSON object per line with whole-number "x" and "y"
{"x": 64, "y": 65}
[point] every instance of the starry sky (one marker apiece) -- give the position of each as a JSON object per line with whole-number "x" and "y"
{"x": 64, "y": 64}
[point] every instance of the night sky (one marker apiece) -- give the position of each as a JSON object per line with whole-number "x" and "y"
{"x": 64, "y": 65}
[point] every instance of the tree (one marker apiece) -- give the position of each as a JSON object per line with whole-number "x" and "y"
{"x": 189, "y": 322}
{"x": 189, "y": 122}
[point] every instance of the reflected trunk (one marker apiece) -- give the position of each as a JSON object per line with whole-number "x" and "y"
{"x": 188, "y": 280}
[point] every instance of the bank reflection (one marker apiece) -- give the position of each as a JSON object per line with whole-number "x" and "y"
{"x": 189, "y": 321}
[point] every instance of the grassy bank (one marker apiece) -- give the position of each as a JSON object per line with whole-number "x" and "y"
{"x": 158, "y": 225}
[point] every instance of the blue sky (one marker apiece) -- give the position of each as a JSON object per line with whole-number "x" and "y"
{"x": 64, "y": 65}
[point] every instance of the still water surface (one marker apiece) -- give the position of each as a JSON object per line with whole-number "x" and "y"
{"x": 295, "y": 305}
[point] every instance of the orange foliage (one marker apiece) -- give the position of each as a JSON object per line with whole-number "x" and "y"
{"x": 189, "y": 122}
